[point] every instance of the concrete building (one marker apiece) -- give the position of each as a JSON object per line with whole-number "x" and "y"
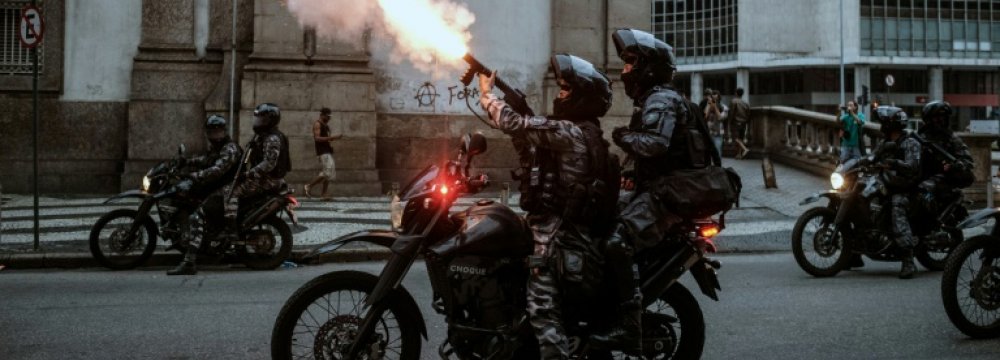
{"x": 123, "y": 82}
{"x": 788, "y": 52}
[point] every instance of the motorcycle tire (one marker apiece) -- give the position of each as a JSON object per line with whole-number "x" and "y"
{"x": 285, "y": 338}
{"x": 692, "y": 326}
{"x": 122, "y": 262}
{"x": 950, "y": 288}
{"x": 839, "y": 263}
{"x": 268, "y": 262}
{"x": 934, "y": 264}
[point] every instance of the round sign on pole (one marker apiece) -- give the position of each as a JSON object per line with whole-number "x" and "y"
{"x": 31, "y": 28}
{"x": 889, "y": 80}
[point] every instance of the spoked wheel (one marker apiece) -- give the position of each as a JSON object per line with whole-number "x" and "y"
{"x": 970, "y": 287}
{"x": 818, "y": 248}
{"x": 112, "y": 245}
{"x": 933, "y": 254}
{"x": 673, "y": 327}
{"x": 267, "y": 245}
{"x": 322, "y": 319}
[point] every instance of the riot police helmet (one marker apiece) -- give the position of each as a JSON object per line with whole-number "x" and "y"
{"x": 891, "y": 118}
{"x": 265, "y": 117}
{"x": 651, "y": 60}
{"x": 585, "y": 92}
{"x": 215, "y": 129}
{"x": 936, "y": 116}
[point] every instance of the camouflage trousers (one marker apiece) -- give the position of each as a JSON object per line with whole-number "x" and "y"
{"x": 901, "y": 222}
{"x": 544, "y": 298}
{"x": 248, "y": 188}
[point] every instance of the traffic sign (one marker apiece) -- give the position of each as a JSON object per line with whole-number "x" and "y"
{"x": 32, "y": 27}
{"x": 889, "y": 80}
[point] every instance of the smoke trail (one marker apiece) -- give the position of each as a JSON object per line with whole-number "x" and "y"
{"x": 428, "y": 33}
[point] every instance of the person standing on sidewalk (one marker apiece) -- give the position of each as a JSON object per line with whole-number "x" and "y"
{"x": 713, "y": 118}
{"x": 853, "y": 123}
{"x": 322, "y": 138}
{"x": 738, "y": 118}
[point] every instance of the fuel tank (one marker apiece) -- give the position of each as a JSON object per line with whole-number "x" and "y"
{"x": 487, "y": 229}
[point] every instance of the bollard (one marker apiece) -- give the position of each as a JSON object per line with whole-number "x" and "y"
{"x": 505, "y": 194}
{"x": 770, "y": 182}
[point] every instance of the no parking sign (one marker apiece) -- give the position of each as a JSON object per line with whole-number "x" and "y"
{"x": 32, "y": 27}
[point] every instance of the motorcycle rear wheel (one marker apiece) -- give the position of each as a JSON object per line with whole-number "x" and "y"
{"x": 109, "y": 243}
{"x": 268, "y": 244}
{"x": 825, "y": 257}
{"x": 312, "y": 325}
{"x": 970, "y": 291}
{"x": 936, "y": 260}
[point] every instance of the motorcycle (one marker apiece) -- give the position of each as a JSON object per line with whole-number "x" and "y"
{"x": 477, "y": 261}
{"x": 125, "y": 238}
{"x": 970, "y": 284}
{"x": 858, "y": 220}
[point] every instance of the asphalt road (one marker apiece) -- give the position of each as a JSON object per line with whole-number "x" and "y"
{"x": 768, "y": 309}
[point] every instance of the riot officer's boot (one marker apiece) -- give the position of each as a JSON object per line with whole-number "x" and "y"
{"x": 187, "y": 266}
{"x": 231, "y": 232}
{"x": 908, "y": 269}
{"x": 626, "y": 335}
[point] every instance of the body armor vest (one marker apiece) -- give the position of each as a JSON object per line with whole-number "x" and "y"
{"x": 690, "y": 143}
{"x": 284, "y": 164}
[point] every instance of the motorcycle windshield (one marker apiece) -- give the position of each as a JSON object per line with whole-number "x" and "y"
{"x": 419, "y": 185}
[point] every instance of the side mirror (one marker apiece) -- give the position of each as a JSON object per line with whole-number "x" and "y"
{"x": 473, "y": 144}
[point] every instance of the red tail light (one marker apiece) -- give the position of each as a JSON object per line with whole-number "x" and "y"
{"x": 443, "y": 189}
{"x": 293, "y": 200}
{"x": 709, "y": 231}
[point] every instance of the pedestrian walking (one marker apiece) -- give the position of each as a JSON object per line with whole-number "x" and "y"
{"x": 324, "y": 151}
{"x": 739, "y": 114}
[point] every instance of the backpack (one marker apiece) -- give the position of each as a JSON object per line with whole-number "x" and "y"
{"x": 699, "y": 192}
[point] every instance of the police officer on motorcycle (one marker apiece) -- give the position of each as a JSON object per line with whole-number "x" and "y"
{"x": 939, "y": 175}
{"x": 660, "y": 139}
{"x": 564, "y": 167}
{"x": 269, "y": 162}
{"x": 216, "y": 169}
{"x": 900, "y": 153}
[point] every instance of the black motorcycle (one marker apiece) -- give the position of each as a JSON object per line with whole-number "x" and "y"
{"x": 970, "y": 285}
{"x": 125, "y": 238}
{"x": 858, "y": 220}
{"x": 477, "y": 263}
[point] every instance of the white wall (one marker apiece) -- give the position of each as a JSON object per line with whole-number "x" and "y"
{"x": 513, "y": 37}
{"x": 102, "y": 37}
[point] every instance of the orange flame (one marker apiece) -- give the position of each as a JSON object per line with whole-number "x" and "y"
{"x": 429, "y": 28}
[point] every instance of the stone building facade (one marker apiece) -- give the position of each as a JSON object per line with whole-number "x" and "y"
{"x": 124, "y": 82}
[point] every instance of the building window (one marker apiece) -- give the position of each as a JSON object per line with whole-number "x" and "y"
{"x": 14, "y": 59}
{"x": 701, "y": 31}
{"x": 930, "y": 28}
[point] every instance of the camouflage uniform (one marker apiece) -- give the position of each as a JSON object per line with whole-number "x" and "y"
{"x": 217, "y": 168}
{"x": 650, "y": 140}
{"x": 270, "y": 154}
{"x": 904, "y": 164}
{"x": 556, "y": 229}
{"x": 935, "y": 179}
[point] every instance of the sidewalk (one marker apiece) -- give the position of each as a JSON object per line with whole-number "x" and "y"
{"x": 763, "y": 222}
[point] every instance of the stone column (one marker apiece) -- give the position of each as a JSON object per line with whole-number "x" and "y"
{"x": 337, "y": 75}
{"x": 696, "y": 87}
{"x": 169, "y": 85}
{"x": 935, "y": 83}
{"x": 743, "y": 81}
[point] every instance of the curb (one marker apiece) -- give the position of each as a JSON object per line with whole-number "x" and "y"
{"x": 749, "y": 244}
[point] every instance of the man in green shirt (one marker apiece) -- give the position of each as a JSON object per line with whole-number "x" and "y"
{"x": 853, "y": 124}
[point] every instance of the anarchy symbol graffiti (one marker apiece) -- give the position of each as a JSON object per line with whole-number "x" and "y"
{"x": 426, "y": 95}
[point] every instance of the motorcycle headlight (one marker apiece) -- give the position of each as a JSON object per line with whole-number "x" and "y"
{"x": 145, "y": 183}
{"x": 836, "y": 180}
{"x": 396, "y": 213}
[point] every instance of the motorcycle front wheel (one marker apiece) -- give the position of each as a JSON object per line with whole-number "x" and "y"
{"x": 322, "y": 319}
{"x": 970, "y": 287}
{"x": 111, "y": 245}
{"x": 818, "y": 250}
{"x": 267, "y": 245}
